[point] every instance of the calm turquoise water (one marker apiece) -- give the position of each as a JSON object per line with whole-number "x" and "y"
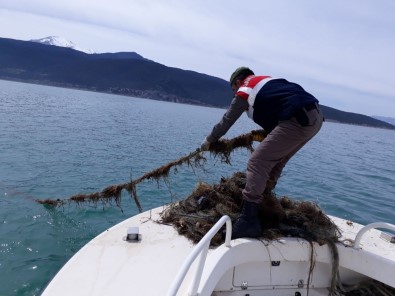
{"x": 57, "y": 142}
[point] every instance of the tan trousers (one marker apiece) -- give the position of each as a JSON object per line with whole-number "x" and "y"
{"x": 269, "y": 158}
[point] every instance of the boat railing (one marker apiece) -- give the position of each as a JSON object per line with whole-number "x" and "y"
{"x": 364, "y": 229}
{"x": 200, "y": 249}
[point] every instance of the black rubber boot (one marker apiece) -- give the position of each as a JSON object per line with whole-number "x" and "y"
{"x": 248, "y": 223}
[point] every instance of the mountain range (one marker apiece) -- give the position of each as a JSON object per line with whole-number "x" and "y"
{"x": 126, "y": 73}
{"x": 390, "y": 120}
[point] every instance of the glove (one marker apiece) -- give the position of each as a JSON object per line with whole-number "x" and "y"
{"x": 205, "y": 145}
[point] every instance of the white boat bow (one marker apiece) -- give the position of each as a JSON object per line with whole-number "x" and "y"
{"x": 156, "y": 260}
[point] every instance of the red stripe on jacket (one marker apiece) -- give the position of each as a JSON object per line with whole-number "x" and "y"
{"x": 249, "y": 82}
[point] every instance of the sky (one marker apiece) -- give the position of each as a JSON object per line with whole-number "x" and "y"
{"x": 343, "y": 52}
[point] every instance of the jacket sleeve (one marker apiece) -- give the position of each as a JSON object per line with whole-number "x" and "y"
{"x": 236, "y": 108}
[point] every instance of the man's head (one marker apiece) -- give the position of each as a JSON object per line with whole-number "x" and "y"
{"x": 239, "y": 75}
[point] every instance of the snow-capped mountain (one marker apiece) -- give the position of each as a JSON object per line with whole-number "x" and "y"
{"x": 60, "y": 41}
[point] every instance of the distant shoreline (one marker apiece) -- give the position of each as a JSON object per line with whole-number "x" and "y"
{"x": 162, "y": 100}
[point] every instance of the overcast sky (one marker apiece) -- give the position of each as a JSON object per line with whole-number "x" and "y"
{"x": 342, "y": 51}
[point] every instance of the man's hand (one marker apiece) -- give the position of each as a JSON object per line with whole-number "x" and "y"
{"x": 205, "y": 145}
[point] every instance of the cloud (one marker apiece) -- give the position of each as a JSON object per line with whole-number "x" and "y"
{"x": 346, "y": 44}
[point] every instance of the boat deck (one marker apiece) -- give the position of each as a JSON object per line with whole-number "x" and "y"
{"x": 110, "y": 265}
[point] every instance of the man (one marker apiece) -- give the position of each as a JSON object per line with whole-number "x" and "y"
{"x": 289, "y": 114}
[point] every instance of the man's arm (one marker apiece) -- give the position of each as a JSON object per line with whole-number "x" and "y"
{"x": 236, "y": 108}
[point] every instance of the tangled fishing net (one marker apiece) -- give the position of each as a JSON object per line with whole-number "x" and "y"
{"x": 221, "y": 149}
{"x": 280, "y": 216}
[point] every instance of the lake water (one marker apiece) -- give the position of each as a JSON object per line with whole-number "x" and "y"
{"x": 57, "y": 142}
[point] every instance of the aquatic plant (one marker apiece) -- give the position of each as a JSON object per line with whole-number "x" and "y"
{"x": 221, "y": 149}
